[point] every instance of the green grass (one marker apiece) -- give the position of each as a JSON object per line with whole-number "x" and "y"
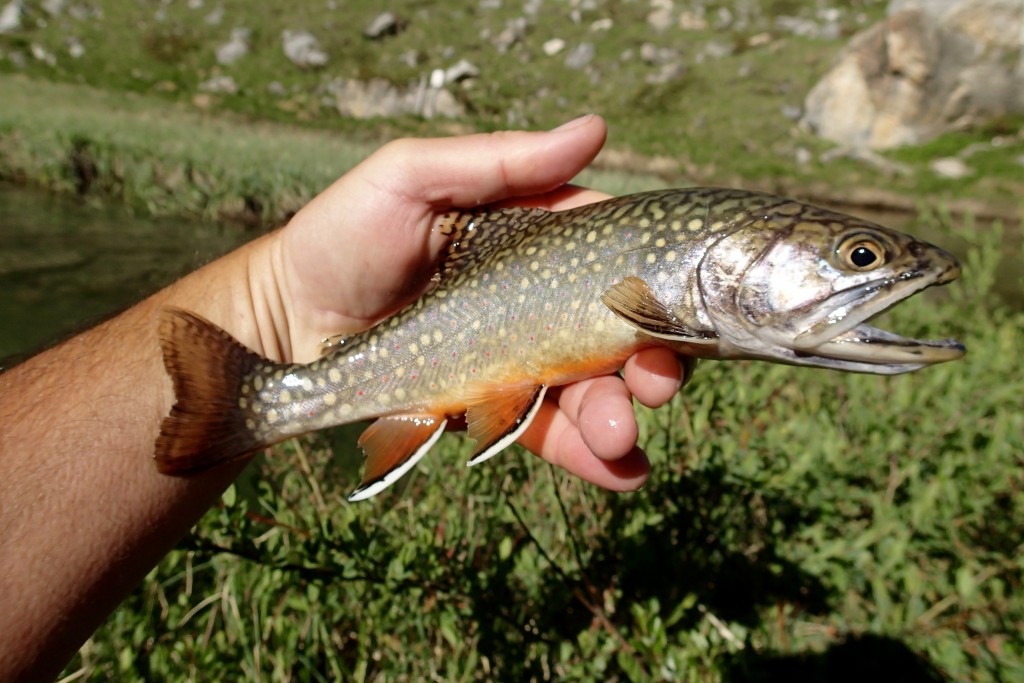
{"x": 799, "y": 525}
{"x": 720, "y": 122}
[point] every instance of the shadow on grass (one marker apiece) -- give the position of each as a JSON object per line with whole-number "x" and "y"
{"x": 865, "y": 658}
{"x": 714, "y": 543}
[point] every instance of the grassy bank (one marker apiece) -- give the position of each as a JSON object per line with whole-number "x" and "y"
{"x": 169, "y": 159}
{"x": 800, "y": 525}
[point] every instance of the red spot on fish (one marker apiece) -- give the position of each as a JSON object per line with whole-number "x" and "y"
{"x": 549, "y": 328}
{"x": 359, "y": 392}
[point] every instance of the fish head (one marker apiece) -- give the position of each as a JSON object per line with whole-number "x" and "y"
{"x": 800, "y": 286}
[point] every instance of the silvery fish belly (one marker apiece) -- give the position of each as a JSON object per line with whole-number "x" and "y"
{"x": 527, "y": 299}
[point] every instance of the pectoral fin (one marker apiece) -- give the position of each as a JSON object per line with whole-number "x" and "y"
{"x": 634, "y": 301}
{"x": 392, "y": 446}
{"x": 498, "y": 414}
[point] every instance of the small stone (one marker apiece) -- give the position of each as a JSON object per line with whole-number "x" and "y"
{"x": 580, "y": 56}
{"x": 604, "y": 24}
{"x": 803, "y": 156}
{"x": 950, "y": 167}
{"x": 53, "y": 7}
{"x": 514, "y": 31}
{"x": 553, "y": 47}
{"x": 384, "y": 24}
{"x": 75, "y": 48}
{"x": 666, "y": 73}
{"x": 221, "y": 85}
{"x": 42, "y": 54}
{"x": 660, "y": 17}
{"x": 411, "y": 58}
{"x": 792, "y": 112}
{"x": 276, "y": 89}
{"x": 236, "y": 48}
{"x": 437, "y": 78}
{"x": 216, "y": 16}
{"x": 302, "y": 49}
{"x": 460, "y": 71}
{"x": 688, "y": 21}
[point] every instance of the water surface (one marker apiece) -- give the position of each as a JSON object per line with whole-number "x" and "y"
{"x": 65, "y": 264}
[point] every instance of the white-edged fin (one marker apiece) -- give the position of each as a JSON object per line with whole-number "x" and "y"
{"x": 634, "y": 301}
{"x": 393, "y": 445}
{"x": 498, "y": 415}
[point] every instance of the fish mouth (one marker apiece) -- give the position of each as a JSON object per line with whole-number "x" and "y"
{"x": 844, "y": 340}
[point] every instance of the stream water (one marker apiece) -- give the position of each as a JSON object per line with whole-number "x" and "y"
{"x": 65, "y": 265}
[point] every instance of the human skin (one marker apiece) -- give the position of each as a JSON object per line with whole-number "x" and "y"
{"x": 85, "y": 513}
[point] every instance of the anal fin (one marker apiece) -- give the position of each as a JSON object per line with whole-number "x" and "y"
{"x": 498, "y": 414}
{"x": 634, "y": 301}
{"x": 393, "y": 445}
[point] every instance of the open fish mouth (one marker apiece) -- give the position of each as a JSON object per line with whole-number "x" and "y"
{"x": 843, "y": 339}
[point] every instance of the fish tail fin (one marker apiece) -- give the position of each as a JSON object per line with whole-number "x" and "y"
{"x": 207, "y": 424}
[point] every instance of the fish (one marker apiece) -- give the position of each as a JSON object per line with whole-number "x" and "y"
{"x": 526, "y": 299}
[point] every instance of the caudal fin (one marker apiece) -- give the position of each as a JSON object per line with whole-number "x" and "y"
{"x": 207, "y": 424}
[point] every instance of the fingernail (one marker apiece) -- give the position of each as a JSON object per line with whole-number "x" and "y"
{"x": 575, "y": 123}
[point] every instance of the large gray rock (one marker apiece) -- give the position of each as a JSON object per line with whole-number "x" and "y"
{"x": 922, "y": 72}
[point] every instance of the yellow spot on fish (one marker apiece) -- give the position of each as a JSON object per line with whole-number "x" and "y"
{"x": 414, "y": 348}
{"x": 334, "y": 375}
{"x": 272, "y": 415}
{"x": 591, "y": 236}
{"x": 652, "y": 258}
{"x": 286, "y": 396}
{"x": 243, "y": 403}
{"x": 330, "y": 399}
{"x": 525, "y": 283}
{"x": 257, "y": 382}
{"x": 400, "y": 393}
{"x": 660, "y": 242}
{"x": 694, "y": 224}
{"x": 425, "y": 339}
{"x": 670, "y": 256}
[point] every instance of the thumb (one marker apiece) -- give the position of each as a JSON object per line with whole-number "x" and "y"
{"x": 480, "y": 169}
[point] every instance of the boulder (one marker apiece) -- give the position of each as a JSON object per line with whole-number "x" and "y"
{"x": 923, "y": 72}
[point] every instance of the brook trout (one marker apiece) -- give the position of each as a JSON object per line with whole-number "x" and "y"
{"x": 527, "y": 299}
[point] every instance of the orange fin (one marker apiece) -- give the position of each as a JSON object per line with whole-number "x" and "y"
{"x": 393, "y": 445}
{"x": 206, "y": 426}
{"x": 634, "y": 301}
{"x": 498, "y": 414}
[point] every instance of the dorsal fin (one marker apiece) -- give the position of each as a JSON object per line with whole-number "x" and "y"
{"x": 474, "y": 237}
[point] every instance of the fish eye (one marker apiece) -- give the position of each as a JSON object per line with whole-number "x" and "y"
{"x": 861, "y": 254}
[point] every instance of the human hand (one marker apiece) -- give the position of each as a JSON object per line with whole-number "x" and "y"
{"x": 367, "y": 246}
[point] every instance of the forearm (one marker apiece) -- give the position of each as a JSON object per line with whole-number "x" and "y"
{"x": 85, "y": 514}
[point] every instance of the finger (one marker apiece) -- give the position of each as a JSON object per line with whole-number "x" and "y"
{"x": 480, "y": 169}
{"x": 655, "y": 375}
{"x": 564, "y": 197}
{"x": 556, "y": 439}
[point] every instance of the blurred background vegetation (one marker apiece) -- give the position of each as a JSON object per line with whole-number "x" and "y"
{"x": 799, "y": 525}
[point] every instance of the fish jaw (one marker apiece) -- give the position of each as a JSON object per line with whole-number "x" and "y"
{"x": 841, "y": 339}
{"x": 844, "y": 337}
